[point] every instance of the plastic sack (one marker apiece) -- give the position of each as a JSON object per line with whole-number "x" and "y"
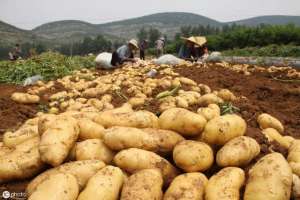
{"x": 214, "y": 57}
{"x": 103, "y": 60}
{"x": 32, "y": 80}
{"x": 168, "y": 59}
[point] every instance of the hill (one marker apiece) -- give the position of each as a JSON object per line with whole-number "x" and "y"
{"x": 271, "y": 19}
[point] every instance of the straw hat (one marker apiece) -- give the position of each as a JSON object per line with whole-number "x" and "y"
{"x": 134, "y": 43}
{"x": 198, "y": 40}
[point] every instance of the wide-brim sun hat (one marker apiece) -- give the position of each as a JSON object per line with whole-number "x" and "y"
{"x": 134, "y": 43}
{"x": 197, "y": 40}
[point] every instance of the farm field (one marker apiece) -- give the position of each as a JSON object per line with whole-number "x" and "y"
{"x": 242, "y": 91}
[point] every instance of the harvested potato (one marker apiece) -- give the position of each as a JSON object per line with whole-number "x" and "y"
{"x": 296, "y": 187}
{"x": 221, "y": 129}
{"x": 210, "y": 98}
{"x": 182, "y": 121}
{"x": 25, "y": 98}
{"x": 136, "y": 101}
{"x": 156, "y": 140}
{"x": 226, "y": 95}
{"x": 133, "y": 160}
{"x": 269, "y": 178}
{"x": 22, "y": 162}
{"x": 104, "y": 185}
{"x": 189, "y": 186}
{"x": 93, "y": 149}
{"x": 143, "y": 185}
{"x": 90, "y": 129}
{"x": 273, "y": 135}
{"x": 294, "y": 157}
{"x": 139, "y": 119}
{"x": 57, "y": 187}
{"x": 289, "y": 140}
{"x": 181, "y": 102}
{"x": 238, "y": 152}
{"x": 44, "y": 122}
{"x": 210, "y": 112}
{"x": 58, "y": 139}
{"x": 58, "y": 96}
{"x": 187, "y": 81}
{"x": 4, "y": 149}
{"x": 12, "y": 139}
{"x": 225, "y": 185}
{"x": 82, "y": 170}
{"x": 267, "y": 121}
{"x": 193, "y": 156}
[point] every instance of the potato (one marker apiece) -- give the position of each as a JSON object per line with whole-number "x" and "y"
{"x": 267, "y": 121}
{"x": 22, "y": 162}
{"x": 193, "y": 156}
{"x": 82, "y": 170}
{"x": 226, "y": 95}
{"x": 90, "y": 129}
{"x": 209, "y": 112}
{"x": 221, "y": 129}
{"x": 273, "y": 135}
{"x": 225, "y": 185}
{"x": 143, "y": 185}
{"x": 58, "y": 139}
{"x": 57, "y": 187}
{"x": 181, "y": 102}
{"x": 294, "y": 157}
{"x": 44, "y": 122}
{"x": 133, "y": 160}
{"x": 11, "y": 139}
{"x": 25, "y": 98}
{"x": 139, "y": 119}
{"x": 238, "y": 152}
{"x": 210, "y": 98}
{"x": 289, "y": 140}
{"x": 58, "y": 96}
{"x": 136, "y": 101}
{"x": 182, "y": 121}
{"x": 204, "y": 89}
{"x": 187, "y": 81}
{"x": 269, "y": 178}
{"x": 4, "y": 149}
{"x": 296, "y": 187}
{"x": 93, "y": 149}
{"x": 156, "y": 140}
{"x": 189, "y": 186}
{"x": 104, "y": 185}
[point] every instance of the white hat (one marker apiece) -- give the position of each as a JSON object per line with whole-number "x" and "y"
{"x": 134, "y": 43}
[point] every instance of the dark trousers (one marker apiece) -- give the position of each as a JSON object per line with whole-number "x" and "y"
{"x": 142, "y": 54}
{"x": 115, "y": 60}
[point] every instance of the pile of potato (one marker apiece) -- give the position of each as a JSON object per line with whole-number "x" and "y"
{"x": 86, "y": 149}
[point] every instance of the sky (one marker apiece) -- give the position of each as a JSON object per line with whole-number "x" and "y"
{"x": 28, "y": 14}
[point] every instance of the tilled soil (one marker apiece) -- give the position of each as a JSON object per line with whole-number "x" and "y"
{"x": 262, "y": 92}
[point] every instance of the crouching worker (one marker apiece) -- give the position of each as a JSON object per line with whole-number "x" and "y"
{"x": 124, "y": 53}
{"x": 193, "y": 48}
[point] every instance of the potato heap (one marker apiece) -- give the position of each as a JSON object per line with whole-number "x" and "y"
{"x": 86, "y": 149}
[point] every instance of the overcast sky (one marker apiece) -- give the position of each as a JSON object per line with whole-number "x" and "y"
{"x": 28, "y": 14}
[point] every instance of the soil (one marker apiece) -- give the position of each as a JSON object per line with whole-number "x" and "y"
{"x": 262, "y": 92}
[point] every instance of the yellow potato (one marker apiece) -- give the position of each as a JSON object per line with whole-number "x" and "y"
{"x": 267, "y": 121}
{"x": 44, "y": 122}
{"x": 273, "y": 135}
{"x": 296, "y": 187}
{"x": 294, "y": 157}
{"x": 238, "y": 152}
{"x": 133, "y": 160}
{"x": 82, "y": 170}
{"x": 90, "y": 129}
{"x": 104, "y": 185}
{"x": 187, "y": 81}
{"x": 93, "y": 149}
{"x": 25, "y": 98}
{"x": 226, "y": 95}
{"x": 136, "y": 101}
{"x": 182, "y": 121}
{"x": 143, "y": 185}
{"x": 57, "y": 187}
{"x": 58, "y": 139}
{"x": 22, "y": 162}
{"x": 210, "y": 98}
{"x": 11, "y": 139}
{"x": 139, "y": 119}
{"x": 225, "y": 185}
{"x": 209, "y": 112}
{"x": 221, "y": 129}
{"x": 189, "y": 186}
{"x": 269, "y": 178}
{"x": 156, "y": 140}
{"x": 193, "y": 156}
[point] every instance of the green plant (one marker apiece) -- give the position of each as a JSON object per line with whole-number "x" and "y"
{"x": 228, "y": 108}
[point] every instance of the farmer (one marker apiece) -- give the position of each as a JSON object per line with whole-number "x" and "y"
{"x": 124, "y": 53}
{"x": 193, "y": 48}
{"x": 143, "y": 47}
{"x": 160, "y": 45}
{"x": 15, "y": 53}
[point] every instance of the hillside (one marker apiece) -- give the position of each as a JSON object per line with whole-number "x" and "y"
{"x": 168, "y": 23}
{"x": 272, "y": 19}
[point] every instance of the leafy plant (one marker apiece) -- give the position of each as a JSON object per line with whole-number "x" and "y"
{"x": 228, "y": 108}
